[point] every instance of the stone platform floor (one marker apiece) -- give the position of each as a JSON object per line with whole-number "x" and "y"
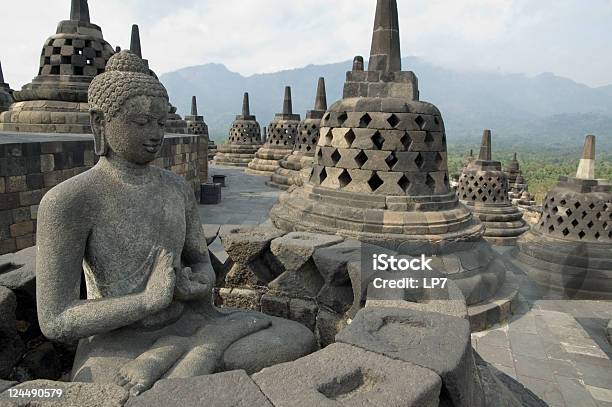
{"x": 555, "y": 347}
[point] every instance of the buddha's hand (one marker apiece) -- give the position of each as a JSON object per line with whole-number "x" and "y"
{"x": 192, "y": 285}
{"x": 159, "y": 291}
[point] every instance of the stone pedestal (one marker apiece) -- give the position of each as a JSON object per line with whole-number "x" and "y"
{"x": 282, "y": 133}
{"x": 56, "y": 100}
{"x": 244, "y": 139}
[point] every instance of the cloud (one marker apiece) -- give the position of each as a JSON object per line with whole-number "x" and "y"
{"x": 268, "y": 35}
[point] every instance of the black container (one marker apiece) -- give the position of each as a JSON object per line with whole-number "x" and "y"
{"x": 219, "y": 179}
{"x": 210, "y": 193}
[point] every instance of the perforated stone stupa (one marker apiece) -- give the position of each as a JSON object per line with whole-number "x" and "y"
{"x": 196, "y": 125}
{"x": 483, "y": 187}
{"x": 296, "y": 166}
{"x": 380, "y": 173}
{"x": 244, "y": 139}
{"x": 570, "y": 248}
{"x": 56, "y": 100}
{"x": 6, "y": 93}
{"x": 282, "y": 132}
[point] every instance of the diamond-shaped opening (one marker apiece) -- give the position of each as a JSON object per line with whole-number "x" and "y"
{"x": 438, "y": 160}
{"x": 319, "y": 153}
{"x": 322, "y": 176}
{"x": 568, "y": 212}
{"x": 430, "y": 182}
{"x": 494, "y": 199}
{"x": 375, "y": 182}
{"x": 598, "y": 215}
{"x": 590, "y": 225}
{"x": 597, "y": 235}
{"x": 581, "y": 235}
{"x": 378, "y": 140}
{"x": 349, "y": 137}
{"x": 329, "y": 137}
{"x": 563, "y": 202}
{"x": 344, "y": 179}
{"x": 406, "y": 141}
{"x": 342, "y": 117}
{"x": 605, "y": 207}
{"x": 559, "y": 220}
{"x": 575, "y": 223}
{"x": 577, "y": 205}
{"x": 404, "y": 183}
{"x": 391, "y": 160}
{"x": 565, "y": 232}
{"x": 336, "y": 157}
{"x": 551, "y": 228}
{"x": 419, "y": 161}
{"x": 361, "y": 158}
{"x": 552, "y": 200}
{"x": 326, "y": 116}
{"x": 584, "y": 214}
{"x": 393, "y": 120}
{"x": 480, "y": 191}
{"x": 365, "y": 120}
{"x": 605, "y": 226}
{"x": 592, "y": 206}
{"x": 420, "y": 122}
{"x": 485, "y": 199}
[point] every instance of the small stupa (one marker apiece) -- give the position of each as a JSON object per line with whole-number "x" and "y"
{"x": 296, "y": 167}
{"x": 570, "y": 248}
{"x": 56, "y": 100}
{"x": 244, "y": 139}
{"x": 6, "y": 93}
{"x": 197, "y": 126}
{"x": 483, "y": 187}
{"x": 282, "y": 132}
{"x": 513, "y": 170}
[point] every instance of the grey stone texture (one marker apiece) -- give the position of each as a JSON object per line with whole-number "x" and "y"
{"x": 6, "y": 93}
{"x": 56, "y": 100}
{"x": 282, "y": 132}
{"x": 233, "y": 388}
{"x": 483, "y": 187}
{"x": 73, "y": 395}
{"x": 570, "y": 247}
{"x": 244, "y": 139}
{"x": 12, "y": 345}
{"x": 158, "y": 319}
{"x": 341, "y": 375}
{"x": 609, "y": 332}
{"x": 294, "y": 169}
{"x": 197, "y": 126}
{"x": 380, "y": 171}
{"x": 434, "y": 341}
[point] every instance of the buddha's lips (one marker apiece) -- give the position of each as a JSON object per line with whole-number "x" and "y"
{"x": 152, "y": 148}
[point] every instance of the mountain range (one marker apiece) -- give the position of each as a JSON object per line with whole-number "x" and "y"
{"x": 545, "y": 111}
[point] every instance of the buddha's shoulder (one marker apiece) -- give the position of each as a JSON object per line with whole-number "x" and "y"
{"x": 76, "y": 192}
{"x": 173, "y": 179}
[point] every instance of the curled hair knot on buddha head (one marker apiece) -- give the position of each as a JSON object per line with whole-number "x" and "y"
{"x": 126, "y": 76}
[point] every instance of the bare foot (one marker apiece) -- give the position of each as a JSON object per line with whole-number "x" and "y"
{"x": 140, "y": 374}
{"x": 211, "y": 341}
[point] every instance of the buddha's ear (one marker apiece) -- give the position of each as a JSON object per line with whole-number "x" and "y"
{"x": 97, "y": 127}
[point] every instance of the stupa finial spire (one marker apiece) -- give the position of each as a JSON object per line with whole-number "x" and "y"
{"x": 287, "y": 103}
{"x": 246, "y": 109}
{"x": 321, "y": 99}
{"x": 485, "y": 146}
{"x": 194, "y": 106}
{"x": 385, "y": 54}
{"x": 1, "y": 74}
{"x": 586, "y": 168}
{"x": 135, "y": 41}
{"x": 79, "y": 11}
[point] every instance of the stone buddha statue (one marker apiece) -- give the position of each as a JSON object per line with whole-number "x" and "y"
{"x": 132, "y": 231}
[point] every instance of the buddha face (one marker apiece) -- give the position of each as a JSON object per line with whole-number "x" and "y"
{"x": 135, "y": 133}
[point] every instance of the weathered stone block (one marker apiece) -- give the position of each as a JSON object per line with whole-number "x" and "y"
{"x": 243, "y": 245}
{"x": 345, "y": 375}
{"x": 12, "y": 346}
{"x": 295, "y": 249}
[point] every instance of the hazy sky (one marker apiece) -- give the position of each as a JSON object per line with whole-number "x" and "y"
{"x": 570, "y": 38}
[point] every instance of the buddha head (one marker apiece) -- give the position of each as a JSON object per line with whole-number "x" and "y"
{"x": 128, "y": 110}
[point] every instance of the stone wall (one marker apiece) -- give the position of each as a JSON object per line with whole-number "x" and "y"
{"x": 30, "y": 165}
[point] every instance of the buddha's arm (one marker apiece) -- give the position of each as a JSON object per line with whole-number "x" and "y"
{"x": 63, "y": 228}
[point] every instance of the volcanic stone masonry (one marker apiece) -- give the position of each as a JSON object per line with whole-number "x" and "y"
{"x": 197, "y": 126}
{"x": 6, "y": 93}
{"x": 380, "y": 175}
{"x": 296, "y": 167}
{"x": 570, "y": 248}
{"x": 483, "y": 187}
{"x": 56, "y": 100}
{"x": 244, "y": 139}
{"x": 282, "y": 133}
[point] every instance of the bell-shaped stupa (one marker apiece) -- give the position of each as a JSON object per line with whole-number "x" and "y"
{"x": 282, "y": 132}
{"x": 197, "y": 126}
{"x": 570, "y": 248}
{"x": 483, "y": 187}
{"x": 296, "y": 167}
{"x": 244, "y": 139}
{"x": 380, "y": 173}
{"x": 56, "y": 100}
